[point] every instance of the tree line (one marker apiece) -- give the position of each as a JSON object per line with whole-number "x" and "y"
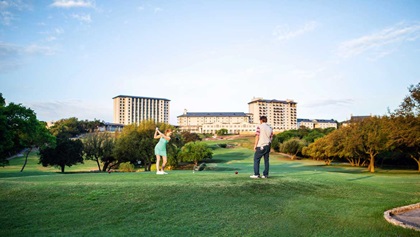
{"x": 362, "y": 142}
{"x": 72, "y": 141}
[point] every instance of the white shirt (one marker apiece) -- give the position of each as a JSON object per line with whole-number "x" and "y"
{"x": 265, "y": 134}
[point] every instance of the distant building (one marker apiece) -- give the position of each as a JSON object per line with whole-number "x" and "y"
{"x": 111, "y": 127}
{"x": 210, "y": 122}
{"x": 317, "y": 123}
{"x": 134, "y": 109}
{"x": 281, "y": 114}
{"x": 354, "y": 119}
{"x": 308, "y": 123}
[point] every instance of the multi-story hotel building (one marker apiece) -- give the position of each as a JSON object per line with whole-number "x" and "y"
{"x": 281, "y": 114}
{"x": 134, "y": 109}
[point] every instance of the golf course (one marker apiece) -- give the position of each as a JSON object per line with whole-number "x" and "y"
{"x": 300, "y": 198}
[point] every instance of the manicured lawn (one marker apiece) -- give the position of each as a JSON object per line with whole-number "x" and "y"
{"x": 301, "y": 198}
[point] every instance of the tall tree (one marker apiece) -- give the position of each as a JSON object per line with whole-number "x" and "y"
{"x": 195, "y": 152}
{"x": 66, "y": 153}
{"x": 374, "y": 138}
{"x": 20, "y": 129}
{"x": 293, "y": 146}
{"x": 411, "y": 103}
{"x": 404, "y": 126}
{"x": 404, "y": 135}
{"x": 136, "y": 143}
{"x": 98, "y": 147}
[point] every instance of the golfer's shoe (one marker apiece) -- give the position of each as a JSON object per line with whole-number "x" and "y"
{"x": 163, "y": 172}
{"x": 159, "y": 172}
{"x": 254, "y": 176}
{"x": 264, "y": 177}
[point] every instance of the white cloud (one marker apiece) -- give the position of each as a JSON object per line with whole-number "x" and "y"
{"x": 7, "y": 9}
{"x": 84, "y": 18}
{"x": 283, "y": 32}
{"x": 379, "y": 43}
{"x": 330, "y": 102}
{"x": 56, "y": 110}
{"x": 11, "y": 55}
{"x": 39, "y": 49}
{"x": 72, "y": 3}
{"x": 52, "y": 35}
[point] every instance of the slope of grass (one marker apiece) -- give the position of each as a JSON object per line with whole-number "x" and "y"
{"x": 301, "y": 198}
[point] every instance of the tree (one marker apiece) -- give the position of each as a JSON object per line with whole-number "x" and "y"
{"x": 292, "y": 146}
{"x": 136, "y": 143}
{"x": 411, "y": 103}
{"x": 286, "y": 135}
{"x": 174, "y": 148}
{"x": 67, "y": 128}
{"x": 20, "y": 129}
{"x": 66, "y": 153}
{"x": 404, "y": 136}
{"x": 98, "y": 147}
{"x": 39, "y": 136}
{"x": 190, "y": 137}
{"x": 127, "y": 146}
{"x": 312, "y": 135}
{"x": 91, "y": 126}
{"x": 373, "y": 138}
{"x": 317, "y": 150}
{"x": 222, "y": 132}
{"x": 404, "y": 126}
{"x": 349, "y": 144}
{"x": 195, "y": 152}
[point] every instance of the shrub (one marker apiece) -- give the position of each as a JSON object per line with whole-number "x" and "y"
{"x": 126, "y": 167}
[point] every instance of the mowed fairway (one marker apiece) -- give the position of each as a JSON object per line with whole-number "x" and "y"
{"x": 301, "y": 198}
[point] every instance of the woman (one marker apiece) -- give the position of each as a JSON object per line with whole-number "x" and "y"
{"x": 160, "y": 149}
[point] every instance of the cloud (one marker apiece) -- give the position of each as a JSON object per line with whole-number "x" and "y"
{"x": 379, "y": 43}
{"x": 52, "y": 35}
{"x": 11, "y": 54}
{"x": 7, "y": 9}
{"x": 84, "y": 18}
{"x": 53, "y": 111}
{"x": 284, "y": 32}
{"x": 72, "y": 3}
{"x": 330, "y": 102}
{"x": 11, "y": 50}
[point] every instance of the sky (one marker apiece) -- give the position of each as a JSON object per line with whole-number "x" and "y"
{"x": 69, "y": 58}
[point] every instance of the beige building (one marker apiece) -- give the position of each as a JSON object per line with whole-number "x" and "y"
{"x": 317, "y": 123}
{"x": 210, "y": 122}
{"x": 281, "y": 114}
{"x": 134, "y": 109}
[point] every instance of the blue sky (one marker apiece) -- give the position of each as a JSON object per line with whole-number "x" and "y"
{"x": 65, "y": 58}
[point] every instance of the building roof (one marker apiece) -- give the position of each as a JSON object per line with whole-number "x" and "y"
{"x": 273, "y": 101}
{"x": 304, "y": 120}
{"x": 213, "y": 114}
{"x": 325, "y": 120}
{"x": 316, "y": 120}
{"x": 140, "y": 97}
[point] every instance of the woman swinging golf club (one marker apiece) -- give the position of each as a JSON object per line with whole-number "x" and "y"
{"x": 160, "y": 149}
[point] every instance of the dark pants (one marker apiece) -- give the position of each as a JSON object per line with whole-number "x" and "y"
{"x": 259, "y": 153}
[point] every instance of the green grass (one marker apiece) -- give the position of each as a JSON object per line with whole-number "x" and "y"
{"x": 301, "y": 198}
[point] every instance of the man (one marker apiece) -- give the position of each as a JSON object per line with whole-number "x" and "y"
{"x": 262, "y": 147}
